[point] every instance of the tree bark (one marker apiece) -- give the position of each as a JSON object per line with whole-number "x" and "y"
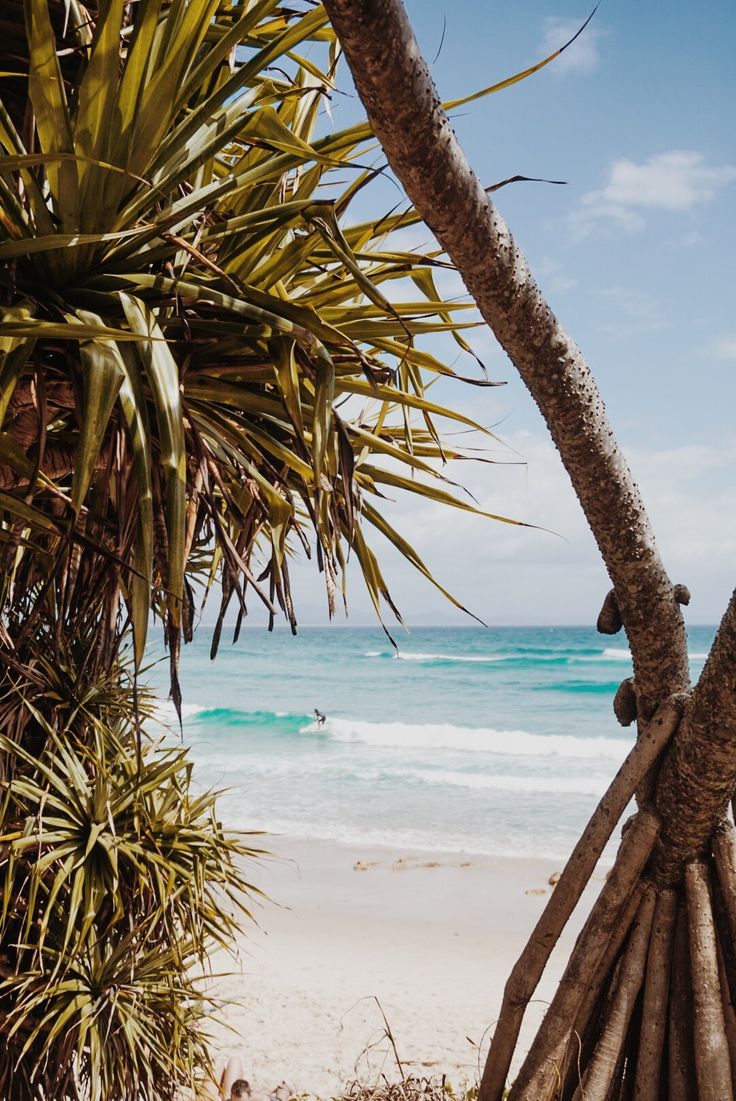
{"x": 656, "y": 999}
{"x": 406, "y": 114}
{"x": 540, "y": 1070}
{"x": 529, "y": 967}
{"x": 608, "y": 1054}
{"x": 698, "y": 776}
{"x": 712, "y": 1059}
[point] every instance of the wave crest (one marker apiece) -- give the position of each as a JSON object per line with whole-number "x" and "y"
{"x": 549, "y": 785}
{"x": 515, "y": 743}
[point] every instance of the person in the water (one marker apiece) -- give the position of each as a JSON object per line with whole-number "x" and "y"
{"x": 320, "y": 717}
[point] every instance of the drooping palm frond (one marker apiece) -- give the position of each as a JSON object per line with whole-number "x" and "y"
{"x": 204, "y": 367}
{"x": 200, "y": 360}
{"x": 117, "y": 882}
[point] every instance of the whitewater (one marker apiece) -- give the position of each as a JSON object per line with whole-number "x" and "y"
{"x": 497, "y": 741}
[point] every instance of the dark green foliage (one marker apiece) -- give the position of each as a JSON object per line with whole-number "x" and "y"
{"x": 118, "y": 882}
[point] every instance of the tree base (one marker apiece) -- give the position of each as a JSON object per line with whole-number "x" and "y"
{"x": 645, "y": 1008}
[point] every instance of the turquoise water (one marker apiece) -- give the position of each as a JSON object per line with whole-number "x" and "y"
{"x": 495, "y": 741}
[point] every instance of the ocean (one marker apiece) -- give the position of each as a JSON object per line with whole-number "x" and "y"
{"x": 497, "y": 741}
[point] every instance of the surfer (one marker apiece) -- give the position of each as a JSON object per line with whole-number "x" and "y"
{"x": 320, "y": 717}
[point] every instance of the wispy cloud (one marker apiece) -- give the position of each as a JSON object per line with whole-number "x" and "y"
{"x": 553, "y": 276}
{"x": 726, "y": 348}
{"x": 519, "y": 575}
{"x": 633, "y": 312}
{"x": 677, "y": 180}
{"x": 582, "y": 56}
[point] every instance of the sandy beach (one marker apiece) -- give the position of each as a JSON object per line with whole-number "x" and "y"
{"x": 429, "y": 937}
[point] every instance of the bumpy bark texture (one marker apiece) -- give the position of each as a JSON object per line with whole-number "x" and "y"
{"x": 656, "y": 1000}
{"x": 699, "y": 774}
{"x": 538, "y": 1076}
{"x": 577, "y": 872}
{"x": 609, "y": 1050}
{"x": 712, "y": 1061}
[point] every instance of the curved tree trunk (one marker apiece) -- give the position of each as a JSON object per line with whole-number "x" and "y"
{"x": 406, "y": 114}
{"x": 697, "y": 777}
{"x": 699, "y": 773}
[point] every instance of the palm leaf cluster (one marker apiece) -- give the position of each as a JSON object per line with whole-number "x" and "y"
{"x": 204, "y": 324}
{"x": 203, "y": 369}
{"x": 117, "y": 883}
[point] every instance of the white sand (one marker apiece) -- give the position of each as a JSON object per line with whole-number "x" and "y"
{"x": 433, "y": 938}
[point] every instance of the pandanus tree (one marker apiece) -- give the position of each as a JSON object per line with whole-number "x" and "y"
{"x": 645, "y": 1007}
{"x": 202, "y": 370}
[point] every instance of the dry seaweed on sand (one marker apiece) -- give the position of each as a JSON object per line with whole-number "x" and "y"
{"x": 410, "y": 1088}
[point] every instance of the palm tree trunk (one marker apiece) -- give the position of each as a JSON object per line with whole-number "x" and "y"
{"x": 699, "y": 773}
{"x": 406, "y": 114}
{"x": 698, "y": 776}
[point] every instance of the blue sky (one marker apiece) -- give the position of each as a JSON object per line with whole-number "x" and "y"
{"x": 636, "y": 255}
{"x": 636, "y": 252}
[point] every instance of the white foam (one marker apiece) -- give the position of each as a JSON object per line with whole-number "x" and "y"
{"x": 516, "y": 743}
{"x": 615, "y": 654}
{"x": 451, "y": 657}
{"x": 404, "y": 655}
{"x": 553, "y": 656}
{"x": 551, "y": 785}
{"x": 164, "y": 711}
{"x": 451, "y": 841}
{"x": 611, "y": 653}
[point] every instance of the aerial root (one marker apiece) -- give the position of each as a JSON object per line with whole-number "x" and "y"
{"x": 624, "y": 702}
{"x": 540, "y": 1074}
{"x": 656, "y": 1001}
{"x": 680, "y": 1056}
{"x": 712, "y": 1059}
{"x": 682, "y": 594}
{"x": 729, "y": 1012}
{"x": 608, "y": 1056}
{"x": 609, "y": 618}
{"x": 587, "y": 1023}
{"x": 724, "y": 852}
{"x": 653, "y": 738}
{"x": 646, "y": 1007}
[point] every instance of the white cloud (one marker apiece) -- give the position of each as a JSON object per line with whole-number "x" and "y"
{"x": 553, "y": 276}
{"x": 726, "y": 348}
{"x": 582, "y": 56}
{"x": 520, "y": 575}
{"x": 690, "y": 492}
{"x": 632, "y": 312}
{"x": 528, "y": 576}
{"x": 671, "y": 181}
{"x": 677, "y": 180}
